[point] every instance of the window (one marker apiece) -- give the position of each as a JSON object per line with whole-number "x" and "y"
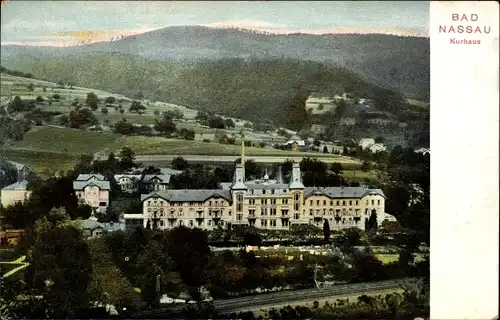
{"x": 350, "y": 203}
{"x": 324, "y": 202}
{"x": 317, "y": 202}
{"x": 338, "y": 202}
{"x": 149, "y": 203}
{"x": 263, "y": 223}
{"x": 191, "y": 223}
{"x": 378, "y": 202}
{"x": 310, "y": 202}
{"x": 251, "y": 212}
{"x": 251, "y": 201}
{"x": 264, "y": 211}
{"x": 297, "y": 197}
{"x": 285, "y": 223}
{"x": 272, "y": 223}
{"x": 239, "y": 197}
{"x": 343, "y": 203}
{"x": 239, "y": 217}
{"x": 264, "y": 201}
{"x": 102, "y": 204}
{"x": 272, "y": 191}
{"x": 296, "y": 216}
{"x": 331, "y": 203}
{"x": 357, "y": 202}
{"x": 284, "y": 212}
{"x": 285, "y": 201}
{"x": 373, "y": 202}
{"x": 264, "y": 191}
{"x": 273, "y": 201}
{"x": 273, "y": 211}
{"x": 311, "y": 212}
{"x": 296, "y": 207}
{"x": 209, "y": 203}
{"x": 161, "y": 223}
{"x": 239, "y": 207}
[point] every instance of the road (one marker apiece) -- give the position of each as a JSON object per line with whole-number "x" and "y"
{"x": 268, "y": 299}
{"x": 152, "y": 159}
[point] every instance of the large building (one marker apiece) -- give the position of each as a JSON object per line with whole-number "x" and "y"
{"x": 265, "y": 203}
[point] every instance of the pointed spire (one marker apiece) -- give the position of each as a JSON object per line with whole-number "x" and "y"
{"x": 243, "y": 153}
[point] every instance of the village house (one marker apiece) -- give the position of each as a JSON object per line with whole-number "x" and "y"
{"x": 377, "y": 147}
{"x": 15, "y": 193}
{"x": 366, "y": 143}
{"x": 424, "y": 151}
{"x": 128, "y": 182}
{"x": 295, "y": 145}
{"x": 93, "y": 190}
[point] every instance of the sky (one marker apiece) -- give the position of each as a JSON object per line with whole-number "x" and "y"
{"x": 62, "y": 23}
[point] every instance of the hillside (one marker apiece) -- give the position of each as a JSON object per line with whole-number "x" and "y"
{"x": 401, "y": 63}
{"x": 258, "y": 90}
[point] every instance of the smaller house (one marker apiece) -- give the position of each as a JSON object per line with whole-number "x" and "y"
{"x": 91, "y": 227}
{"x": 128, "y": 182}
{"x": 294, "y": 145}
{"x": 93, "y": 190}
{"x": 155, "y": 182}
{"x": 366, "y": 143}
{"x": 424, "y": 151}
{"x": 377, "y": 147}
{"x": 14, "y": 193}
{"x": 337, "y": 149}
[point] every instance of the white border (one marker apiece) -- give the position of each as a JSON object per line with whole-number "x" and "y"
{"x": 464, "y": 164}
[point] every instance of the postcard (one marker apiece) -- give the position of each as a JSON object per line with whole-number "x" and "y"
{"x": 249, "y": 159}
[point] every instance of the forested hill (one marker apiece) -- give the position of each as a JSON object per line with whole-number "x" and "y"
{"x": 258, "y": 90}
{"x": 401, "y": 63}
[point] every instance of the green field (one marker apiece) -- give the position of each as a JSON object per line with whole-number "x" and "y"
{"x": 54, "y": 148}
{"x": 389, "y": 258}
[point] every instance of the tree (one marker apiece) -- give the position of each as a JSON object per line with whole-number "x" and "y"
{"x": 104, "y": 110}
{"x": 180, "y": 163}
{"x": 56, "y": 96}
{"x": 321, "y": 106}
{"x": 325, "y": 149}
{"x": 137, "y": 107}
{"x": 127, "y": 157}
{"x": 336, "y": 168}
{"x": 124, "y": 127}
{"x": 166, "y": 125}
{"x": 189, "y": 250}
{"x": 229, "y": 123}
{"x": 82, "y": 118}
{"x": 371, "y": 223}
{"x": 122, "y": 111}
{"x": 110, "y": 100}
{"x": 379, "y": 139}
{"x": 64, "y": 288}
{"x": 92, "y": 100}
{"x": 326, "y": 230}
{"x": 31, "y": 87}
{"x": 216, "y": 122}
{"x": 39, "y": 99}
{"x": 9, "y": 173}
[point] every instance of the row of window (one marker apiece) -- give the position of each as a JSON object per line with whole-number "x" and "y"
{"x": 344, "y": 202}
{"x": 191, "y": 204}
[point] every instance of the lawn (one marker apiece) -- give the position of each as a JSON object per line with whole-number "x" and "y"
{"x": 389, "y": 258}
{"x": 41, "y": 161}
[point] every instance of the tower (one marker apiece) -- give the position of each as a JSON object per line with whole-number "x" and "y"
{"x": 243, "y": 154}
{"x": 296, "y": 181}
{"x": 279, "y": 176}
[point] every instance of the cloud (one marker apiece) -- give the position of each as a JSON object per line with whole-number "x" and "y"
{"x": 247, "y": 24}
{"x": 284, "y": 29}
